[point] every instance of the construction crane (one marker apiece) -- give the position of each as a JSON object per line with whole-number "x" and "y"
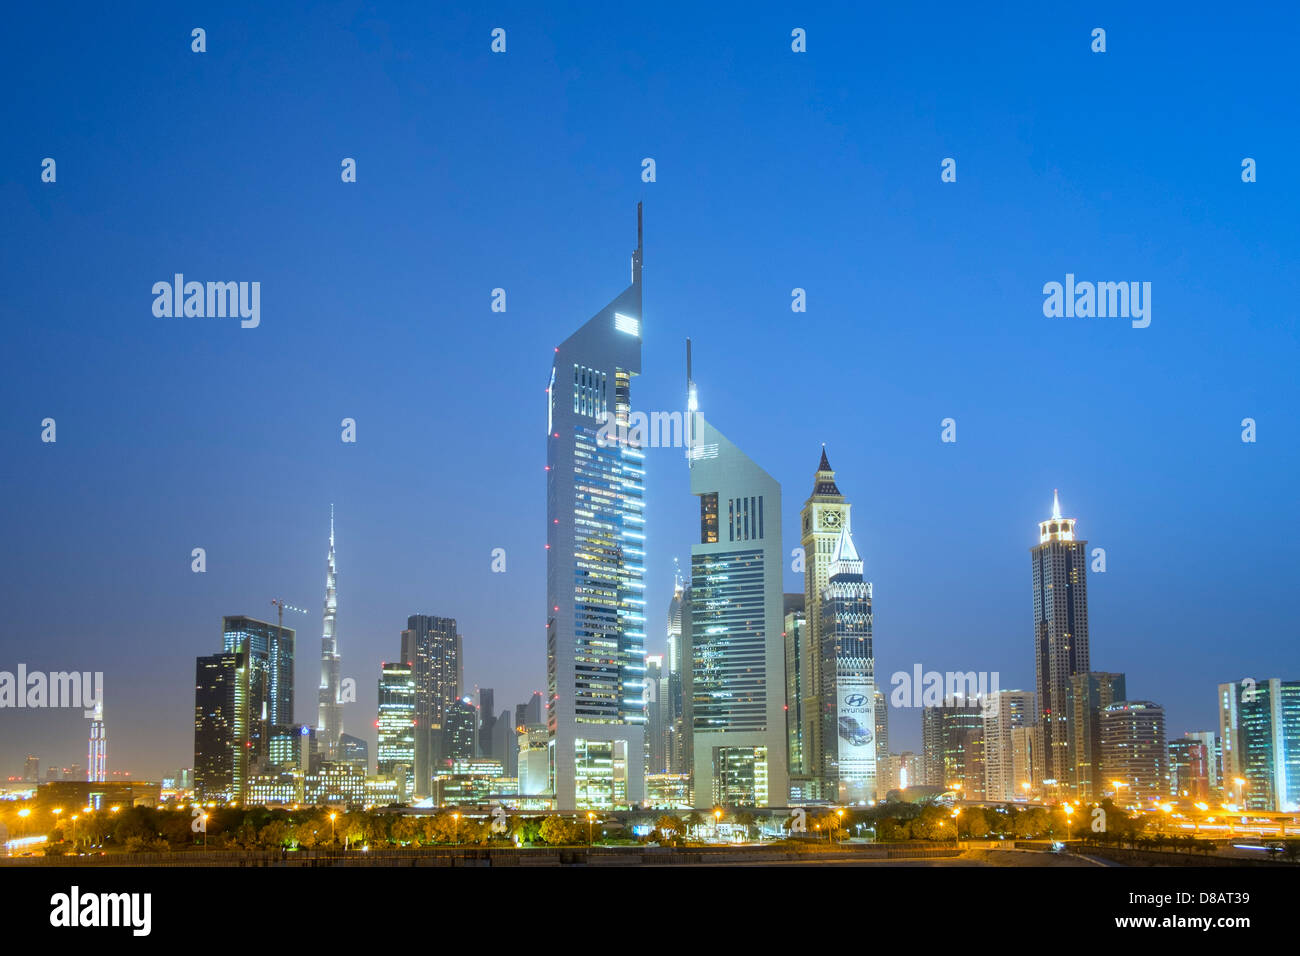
{"x": 281, "y": 607}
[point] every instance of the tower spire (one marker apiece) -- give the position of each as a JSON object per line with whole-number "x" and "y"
{"x": 1056, "y": 505}
{"x": 636, "y": 256}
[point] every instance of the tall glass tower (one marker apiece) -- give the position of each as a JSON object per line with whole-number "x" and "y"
{"x": 1060, "y": 635}
{"x": 848, "y": 671}
{"x": 595, "y": 540}
{"x": 329, "y": 719}
{"x": 736, "y": 697}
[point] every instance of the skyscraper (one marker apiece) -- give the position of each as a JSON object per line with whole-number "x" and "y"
{"x": 221, "y": 726}
{"x": 1134, "y": 752}
{"x": 674, "y": 705}
{"x": 595, "y": 609}
{"x": 825, "y": 514}
{"x": 1189, "y": 777}
{"x": 1060, "y": 632}
{"x": 268, "y": 685}
{"x": 737, "y": 653}
{"x": 1087, "y": 696}
{"x": 432, "y": 646}
{"x": 1005, "y": 711}
{"x": 97, "y": 752}
{"x": 1259, "y": 722}
{"x": 952, "y": 736}
{"x": 848, "y": 671}
{"x": 656, "y": 727}
{"x": 395, "y": 751}
{"x": 329, "y": 719}
{"x": 795, "y": 633}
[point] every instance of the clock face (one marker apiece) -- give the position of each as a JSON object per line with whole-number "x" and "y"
{"x": 831, "y": 519}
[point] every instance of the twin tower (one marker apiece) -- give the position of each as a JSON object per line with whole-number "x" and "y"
{"x": 736, "y": 738}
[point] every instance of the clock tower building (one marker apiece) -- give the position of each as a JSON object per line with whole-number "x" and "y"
{"x": 825, "y": 515}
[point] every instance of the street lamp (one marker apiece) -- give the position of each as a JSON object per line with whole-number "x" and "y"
{"x": 717, "y": 821}
{"x": 455, "y": 819}
{"x": 840, "y": 813}
{"x": 74, "y": 831}
{"x": 956, "y": 833}
{"x": 332, "y": 838}
{"x": 590, "y": 819}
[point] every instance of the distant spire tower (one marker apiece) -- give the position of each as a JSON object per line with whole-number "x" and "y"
{"x": 329, "y": 719}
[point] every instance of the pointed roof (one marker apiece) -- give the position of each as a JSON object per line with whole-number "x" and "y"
{"x": 845, "y": 559}
{"x": 824, "y": 483}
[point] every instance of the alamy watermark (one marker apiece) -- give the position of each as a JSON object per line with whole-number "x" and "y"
{"x": 211, "y": 300}
{"x": 1102, "y": 300}
{"x": 36, "y": 689}
{"x": 922, "y": 688}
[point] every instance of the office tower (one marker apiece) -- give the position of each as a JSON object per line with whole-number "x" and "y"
{"x": 505, "y": 744}
{"x": 1004, "y": 712}
{"x": 534, "y": 774}
{"x": 882, "y": 732}
{"x": 1213, "y": 756}
{"x": 354, "y": 750}
{"x": 97, "y": 753}
{"x": 461, "y": 733}
{"x": 1134, "y": 752}
{"x": 291, "y": 749}
{"x": 1060, "y": 632}
{"x": 395, "y": 745}
{"x": 221, "y": 763}
{"x": 737, "y": 654}
{"x": 1259, "y": 723}
{"x": 656, "y": 730}
{"x": 529, "y": 713}
{"x": 268, "y": 650}
{"x": 848, "y": 670}
{"x": 329, "y": 713}
{"x": 795, "y": 633}
{"x": 432, "y": 646}
{"x": 32, "y": 769}
{"x": 825, "y": 514}
{"x": 487, "y": 723}
{"x": 1189, "y": 777}
{"x": 674, "y": 707}
{"x": 953, "y": 747}
{"x": 1087, "y": 695}
{"x": 595, "y": 534}
{"x": 1027, "y": 758}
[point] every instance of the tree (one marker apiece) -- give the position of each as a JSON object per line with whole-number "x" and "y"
{"x": 274, "y": 834}
{"x": 669, "y": 827}
{"x": 556, "y": 831}
{"x": 976, "y": 822}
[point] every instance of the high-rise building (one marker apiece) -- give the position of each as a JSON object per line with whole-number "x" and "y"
{"x": 825, "y": 514}
{"x": 432, "y": 646}
{"x": 1189, "y": 777}
{"x": 461, "y": 733}
{"x": 673, "y": 706}
{"x": 353, "y": 750}
{"x": 32, "y": 769}
{"x": 1134, "y": 752}
{"x": 952, "y": 736}
{"x": 657, "y": 730}
{"x": 97, "y": 752}
{"x": 268, "y": 650}
{"x": 529, "y": 713}
{"x": 1259, "y": 723}
{"x": 1004, "y": 711}
{"x": 795, "y": 633}
{"x": 1213, "y": 758}
{"x": 595, "y": 609}
{"x": 882, "y": 736}
{"x": 1060, "y": 632}
{"x": 395, "y": 746}
{"x": 1087, "y": 695}
{"x": 221, "y": 764}
{"x": 487, "y": 723}
{"x": 329, "y": 711}
{"x": 736, "y": 698}
{"x": 848, "y": 670}
{"x": 1027, "y": 758}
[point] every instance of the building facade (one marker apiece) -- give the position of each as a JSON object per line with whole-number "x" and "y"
{"x": 432, "y": 647}
{"x": 1259, "y": 723}
{"x": 1134, "y": 752}
{"x": 595, "y": 526}
{"x": 1088, "y": 695}
{"x": 736, "y": 697}
{"x": 1060, "y": 572}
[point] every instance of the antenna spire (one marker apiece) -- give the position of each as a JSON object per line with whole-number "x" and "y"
{"x": 1056, "y": 505}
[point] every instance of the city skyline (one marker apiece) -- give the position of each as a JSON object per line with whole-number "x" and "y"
{"x": 933, "y": 288}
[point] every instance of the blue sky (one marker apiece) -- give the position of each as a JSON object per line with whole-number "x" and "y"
{"x": 775, "y": 170}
